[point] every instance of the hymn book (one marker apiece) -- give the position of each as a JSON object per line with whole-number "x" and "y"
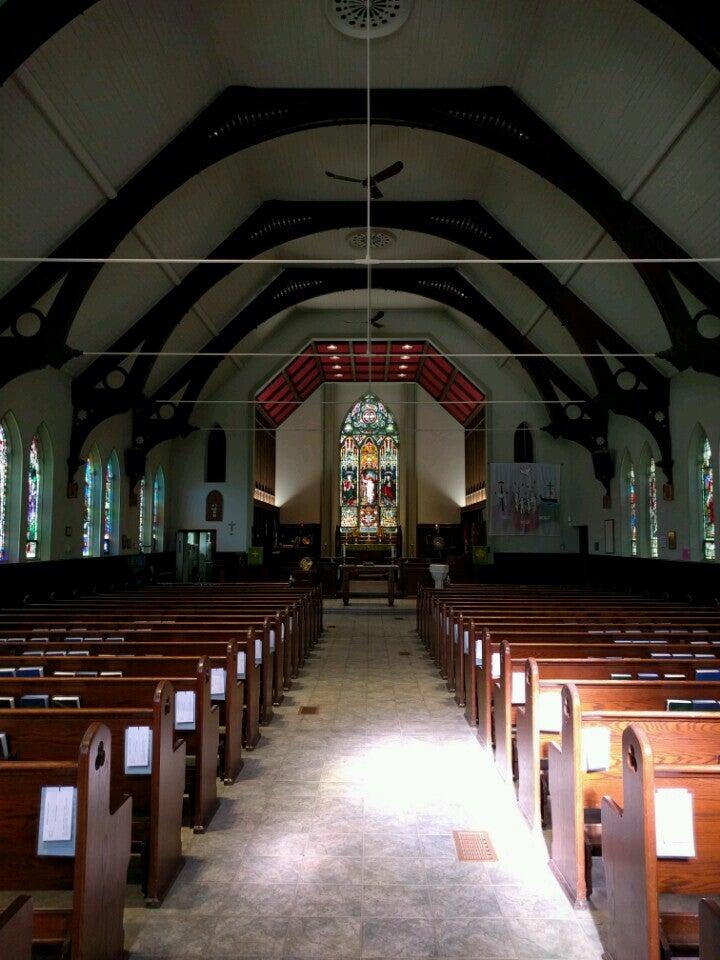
{"x": 241, "y": 658}
{"x": 185, "y": 708}
{"x": 138, "y": 746}
{"x": 218, "y": 679}
{"x": 57, "y": 818}
{"x": 596, "y": 748}
{"x": 518, "y": 686}
{"x": 674, "y": 822}
{"x": 549, "y": 711}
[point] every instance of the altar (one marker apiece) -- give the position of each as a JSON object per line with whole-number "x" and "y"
{"x": 387, "y": 572}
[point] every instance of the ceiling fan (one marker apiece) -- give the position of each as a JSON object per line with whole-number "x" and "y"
{"x": 374, "y": 321}
{"x": 375, "y": 192}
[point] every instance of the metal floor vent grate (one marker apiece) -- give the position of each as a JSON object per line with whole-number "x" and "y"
{"x": 309, "y": 711}
{"x": 473, "y": 845}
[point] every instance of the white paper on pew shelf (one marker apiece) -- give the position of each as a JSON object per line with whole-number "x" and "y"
{"x": 137, "y": 747}
{"x": 272, "y": 641}
{"x": 185, "y": 706}
{"x": 674, "y": 822}
{"x": 282, "y": 631}
{"x": 478, "y": 654}
{"x": 518, "y": 686}
{"x": 596, "y": 748}
{"x": 466, "y": 641}
{"x": 661, "y": 655}
{"x": 495, "y": 666}
{"x": 549, "y": 711}
{"x": 217, "y": 681}
{"x": 57, "y": 814}
{"x": 258, "y": 650}
{"x": 702, "y": 656}
{"x": 456, "y": 634}
{"x": 674, "y": 676}
{"x": 698, "y": 631}
{"x": 241, "y": 658}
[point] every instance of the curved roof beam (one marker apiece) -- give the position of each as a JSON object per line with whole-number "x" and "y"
{"x": 493, "y": 117}
{"x": 585, "y": 423}
{"x": 26, "y": 25}
{"x": 463, "y": 222}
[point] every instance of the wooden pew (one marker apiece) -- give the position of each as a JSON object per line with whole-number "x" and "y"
{"x": 533, "y": 743}
{"x": 635, "y": 875}
{"x": 16, "y": 922}
{"x": 557, "y": 645}
{"x": 157, "y": 796}
{"x": 576, "y": 794}
{"x": 103, "y": 657}
{"x": 709, "y": 916}
{"x": 583, "y": 664}
{"x": 97, "y": 871}
{"x": 146, "y": 643}
{"x": 189, "y": 628}
{"x": 202, "y": 741}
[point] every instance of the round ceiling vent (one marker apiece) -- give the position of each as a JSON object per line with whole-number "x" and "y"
{"x": 379, "y": 239}
{"x": 355, "y": 18}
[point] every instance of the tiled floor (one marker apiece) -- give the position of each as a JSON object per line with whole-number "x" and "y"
{"x": 336, "y": 840}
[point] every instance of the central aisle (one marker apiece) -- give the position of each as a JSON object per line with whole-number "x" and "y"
{"x": 336, "y": 841}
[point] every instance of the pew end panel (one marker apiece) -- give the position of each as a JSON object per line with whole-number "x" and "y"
{"x": 709, "y": 916}
{"x": 167, "y": 785}
{"x": 16, "y": 929}
{"x": 207, "y": 736}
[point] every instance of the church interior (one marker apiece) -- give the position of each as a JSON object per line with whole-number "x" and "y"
{"x": 359, "y": 420}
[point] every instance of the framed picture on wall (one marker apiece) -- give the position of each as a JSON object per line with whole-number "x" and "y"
{"x": 609, "y": 536}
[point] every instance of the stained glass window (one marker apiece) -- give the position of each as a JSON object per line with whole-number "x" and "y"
{"x": 141, "y": 515}
{"x": 707, "y": 493}
{"x": 109, "y": 501}
{"x": 34, "y": 481}
{"x": 158, "y": 510}
{"x": 632, "y": 511}
{"x": 368, "y": 469}
{"x": 4, "y": 491}
{"x": 90, "y": 497}
{"x": 652, "y": 508}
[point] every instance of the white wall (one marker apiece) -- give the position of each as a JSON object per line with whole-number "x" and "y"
{"x": 440, "y": 462}
{"x": 299, "y": 463}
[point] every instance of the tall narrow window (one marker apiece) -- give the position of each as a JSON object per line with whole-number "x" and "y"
{"x": 652, "y": 508}
{"x": 158, "y": 510}
{"x": 215, "y": 465}
{"x": 523, "y": 448}
{"x": 369, "y": 470}
{"x": 141, "y": 515}
{"x": 90, "y": 499}
{"x": 4, "y": 490}
{"x": 707, "y": 494}
{"x": 632, "y": 505}
{"x": 34, "y": 496}
{"x": 110, "y": 502}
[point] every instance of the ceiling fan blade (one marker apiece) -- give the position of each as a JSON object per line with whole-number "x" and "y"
{"x": 375, "y": 192}
{"x": 388, "y": 172}
{"x": 376, "y": 325}
{"x": 378, "y": 316}
{"x": 337, "y": 176}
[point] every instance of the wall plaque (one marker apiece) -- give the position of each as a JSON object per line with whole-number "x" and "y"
{"x": 214, "y": 506}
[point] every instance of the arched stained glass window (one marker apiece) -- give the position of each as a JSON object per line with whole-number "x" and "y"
{"x": 158, "y": 510}
{"x": 523, "y": 447}
{"x": 110, "y": 505}
{"x": 90, "y": 497}
{"x": 707, "y": 494}
{"x": 368, "y": 469}
{"x": 652, "y": 510}
{"x": 5, "y": 453}
{"x": 141, "y": 514}
{"x": 34, "y": 497}
{"x": 632, "y": 507}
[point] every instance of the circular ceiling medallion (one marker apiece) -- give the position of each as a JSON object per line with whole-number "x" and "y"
{"x": 115, "y": 379}
{"x": 708, "y": 324}
{"x": 379, "y": 239}
{"x": 355, "y": 18}
{"x": 28, "y": 324}
{"x": 626, "y": 379}
{"x": 573, "y": 411}
{"x": 166, "y": 411}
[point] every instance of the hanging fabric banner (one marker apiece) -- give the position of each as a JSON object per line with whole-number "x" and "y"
{"x": 525, "y": 499}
